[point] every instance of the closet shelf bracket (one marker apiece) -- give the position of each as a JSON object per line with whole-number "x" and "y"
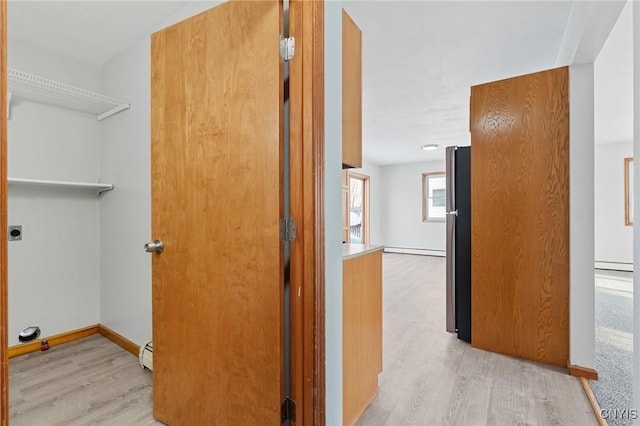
{"x": 113, "y": 111}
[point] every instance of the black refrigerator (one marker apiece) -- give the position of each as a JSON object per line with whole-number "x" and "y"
{"x": 458, "y": 220}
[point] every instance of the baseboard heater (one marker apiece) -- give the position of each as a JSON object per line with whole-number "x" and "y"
{"x": 146, "y": 355}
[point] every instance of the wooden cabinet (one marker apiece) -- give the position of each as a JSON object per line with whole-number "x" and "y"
{"x": 362, "y": 332}
{"x": 351, "y": 93}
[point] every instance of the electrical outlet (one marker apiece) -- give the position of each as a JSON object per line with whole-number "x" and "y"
{"x": 15, "y": 233}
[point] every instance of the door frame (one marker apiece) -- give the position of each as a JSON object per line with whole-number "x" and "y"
{"x": 307, "y": 207}
{"x": 306, "y": 97}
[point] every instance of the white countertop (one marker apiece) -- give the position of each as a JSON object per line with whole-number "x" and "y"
{"x": 350, "y": 250}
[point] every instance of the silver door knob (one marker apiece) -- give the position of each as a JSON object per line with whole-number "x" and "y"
{"x": 154, "y": 247}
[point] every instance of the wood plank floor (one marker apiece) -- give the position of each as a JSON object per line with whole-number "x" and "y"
{"x": 90, "y": 381}
{"x": 431, "y": 378}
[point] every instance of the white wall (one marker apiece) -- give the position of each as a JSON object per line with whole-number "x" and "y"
{"x": 333, "y": 215}
{"x": 125, "y": 220}
{"x": 375, "y": 199}
{"x": 402, "y": 225}
{"x": 53, "y": 271}
{"x": 613, "y": 95}
{"x": 581, "y": 217}
{"x": 613, "y": 240}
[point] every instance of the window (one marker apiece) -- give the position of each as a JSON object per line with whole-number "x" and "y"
{"x": 434, "y": 204}
{"x": 628, "y": 191}
{"x": 355, "y": 217}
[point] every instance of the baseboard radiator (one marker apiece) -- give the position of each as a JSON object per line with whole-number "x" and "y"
{"x": 146, "y": 355}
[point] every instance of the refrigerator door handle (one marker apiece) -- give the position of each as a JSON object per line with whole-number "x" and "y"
{"x": 451, "y": 273}
{"x": 450, "y": 167}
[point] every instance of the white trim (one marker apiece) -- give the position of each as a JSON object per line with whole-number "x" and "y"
{"x": 587, "y": 29}
{"x": 614, "y": 266}
{"x": 422, "y": 252}
{"x": 582, "y": 323}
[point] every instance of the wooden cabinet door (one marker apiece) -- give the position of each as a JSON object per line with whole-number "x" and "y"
{"x": 216, "y": 204}
{"x": 361, "y": 333}
{"x": 520, "y": 216}
{"x": 351, "y": 93}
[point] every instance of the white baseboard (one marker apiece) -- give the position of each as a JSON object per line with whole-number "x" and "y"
{"x": 615, "y": 266}
{"x": 423, "y": 252}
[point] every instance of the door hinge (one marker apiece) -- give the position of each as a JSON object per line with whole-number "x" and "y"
{"x": 288, "y": 410}
{"x": 287, "y": 48}
{"x": 287, "y": 229}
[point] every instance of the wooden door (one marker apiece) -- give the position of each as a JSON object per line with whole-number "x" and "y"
{"x": 216, "y": 204}
{"x": 520, "y": 216}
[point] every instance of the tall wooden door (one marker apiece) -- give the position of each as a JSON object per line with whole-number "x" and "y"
{"x": 216, "y": 203}
{"x": 520, "y": 216}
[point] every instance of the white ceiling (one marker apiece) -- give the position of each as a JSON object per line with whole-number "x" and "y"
{"x": 420, "y": 58}
{"x": 90, "y": 32}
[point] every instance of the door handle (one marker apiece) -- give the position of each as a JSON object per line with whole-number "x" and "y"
{"x": 453, "y": 212}
{"x": 154, "y": 247}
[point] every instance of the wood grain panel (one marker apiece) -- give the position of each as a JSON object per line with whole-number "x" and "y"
{"x": 55, "y": 340}
{"x": 520, "y": 216}
{"x": 4, "y": 318}
{"x": 351, "y": 93}
{"x": 306, "y": 100}
{"x": 217, "y": 97}
{"x": 362, "y": 333}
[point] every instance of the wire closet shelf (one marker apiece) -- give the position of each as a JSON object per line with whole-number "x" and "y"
{"x": 98, "y": 187}
{"x": 29, "y": 86}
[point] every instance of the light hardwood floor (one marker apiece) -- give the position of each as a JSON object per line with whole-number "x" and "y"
{"x": 90, "y": 381}
{"x": 431, "y": 378}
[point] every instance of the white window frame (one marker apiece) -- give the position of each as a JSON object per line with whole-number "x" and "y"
{"x": 427, "y": 214}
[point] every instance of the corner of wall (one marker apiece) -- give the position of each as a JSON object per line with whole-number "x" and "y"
{"x": 581, "y": 216}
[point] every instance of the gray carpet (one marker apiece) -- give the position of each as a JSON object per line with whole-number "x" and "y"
{"x": 614, "y": 345}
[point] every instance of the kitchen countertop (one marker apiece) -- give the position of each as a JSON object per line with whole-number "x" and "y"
{"x": 351, "y": 250}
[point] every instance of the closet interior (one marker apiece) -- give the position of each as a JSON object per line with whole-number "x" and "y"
{"x": 79, "y": 164}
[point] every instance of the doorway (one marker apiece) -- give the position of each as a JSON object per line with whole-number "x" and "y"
{"x": 307, "y": 22}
